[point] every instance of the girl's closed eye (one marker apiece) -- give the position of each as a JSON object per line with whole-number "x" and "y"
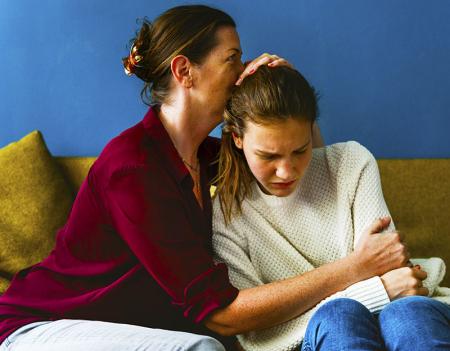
{"x": 267, "y": 157}
{"x": 299, "y": 152}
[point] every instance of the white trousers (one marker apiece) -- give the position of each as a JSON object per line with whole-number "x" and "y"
{"x": 83, "y": 335}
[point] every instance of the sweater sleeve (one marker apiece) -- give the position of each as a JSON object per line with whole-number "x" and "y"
{"x": 370, "y": 292}
{"x": 230, "y": 247}
{"x": 367, "y": 204}
{"x": 365, "y": 192}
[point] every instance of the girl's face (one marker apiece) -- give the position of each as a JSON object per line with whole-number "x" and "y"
{"x": 215, "y": 78}
{"x": 277, "y": 154}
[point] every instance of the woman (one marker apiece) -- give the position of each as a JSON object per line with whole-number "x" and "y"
{"x": 284, "y": 210}
{"x": 133, "y": 268}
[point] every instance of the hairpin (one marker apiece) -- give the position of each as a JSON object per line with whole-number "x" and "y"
{"x": 133, "y": 61}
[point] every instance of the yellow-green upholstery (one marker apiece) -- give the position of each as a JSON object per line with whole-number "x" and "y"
{"x": 34, "y": 202}
{"x": 418, "y": 195}
{"x": 36, "y": 194}
{"x": 75, "y": 169}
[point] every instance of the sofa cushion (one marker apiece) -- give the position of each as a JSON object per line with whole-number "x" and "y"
{"x": 34, "y": 202}
{"x": 75, "y": 169}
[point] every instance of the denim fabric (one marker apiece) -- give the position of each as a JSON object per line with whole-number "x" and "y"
{"x": 82, "y": 335}
{"x": 407, "y": 324}
{"x": 416, "y": 323}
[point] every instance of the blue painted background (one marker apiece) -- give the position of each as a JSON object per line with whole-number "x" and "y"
{"x": 382, "y": 67}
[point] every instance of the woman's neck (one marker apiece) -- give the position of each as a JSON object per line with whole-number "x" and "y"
{"x": 186, "y": 128}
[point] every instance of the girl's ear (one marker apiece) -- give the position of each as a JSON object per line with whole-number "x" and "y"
{"x": 237, "y": 140}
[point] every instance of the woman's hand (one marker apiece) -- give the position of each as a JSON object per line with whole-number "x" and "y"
{"x": 404, "y": 281}
{"x": 377, "y": 253}
{"x": 264, "y": 59}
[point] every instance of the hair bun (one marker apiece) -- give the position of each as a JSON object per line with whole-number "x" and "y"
{"x": 134, "y": 62}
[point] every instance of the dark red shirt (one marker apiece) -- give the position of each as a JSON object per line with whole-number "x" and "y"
{"x": 136, "y": 247}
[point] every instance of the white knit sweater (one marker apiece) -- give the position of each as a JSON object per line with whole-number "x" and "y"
{"x": 280, "y": 237}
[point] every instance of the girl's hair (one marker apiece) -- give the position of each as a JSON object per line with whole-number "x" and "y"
{"x": 270, "y": 95}
{"x": 183, "y": 30}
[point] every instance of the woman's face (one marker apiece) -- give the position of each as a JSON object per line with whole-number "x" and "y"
{"x": 278, "y": 153}
{"x": 214, "y": 80}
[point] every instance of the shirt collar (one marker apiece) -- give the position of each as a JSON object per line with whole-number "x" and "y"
{"x": 169, "y": 154}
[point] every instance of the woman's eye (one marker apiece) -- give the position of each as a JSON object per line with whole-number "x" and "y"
{"x": 299, "y": 152}
{"x": 231, "y": 58}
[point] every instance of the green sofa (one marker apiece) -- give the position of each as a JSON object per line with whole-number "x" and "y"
{"x": 417, "y": 192}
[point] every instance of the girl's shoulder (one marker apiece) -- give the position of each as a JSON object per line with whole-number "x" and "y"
{"x": 349, "y": 153}
{"x": 339, "y": 162}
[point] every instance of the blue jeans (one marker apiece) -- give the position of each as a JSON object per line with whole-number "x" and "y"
{"x": 410, "y": 323}
{"x": 83, "y": 335}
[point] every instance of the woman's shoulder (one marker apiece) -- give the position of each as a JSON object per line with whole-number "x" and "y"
{"x": 131, "y": 149}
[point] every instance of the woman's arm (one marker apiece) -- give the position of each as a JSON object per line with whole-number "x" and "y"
{"x": 154, "y": 223}
{"x": 274, "y": 303}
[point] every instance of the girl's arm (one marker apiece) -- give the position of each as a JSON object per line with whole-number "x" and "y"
{"x": 368, "y": 203}
{"x": 267, "y": 305}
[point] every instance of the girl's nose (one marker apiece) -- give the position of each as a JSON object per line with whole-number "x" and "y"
{"x": 285, "y": 170}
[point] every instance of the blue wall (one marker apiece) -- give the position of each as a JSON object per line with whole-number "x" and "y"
{"x": 382, "y": 67}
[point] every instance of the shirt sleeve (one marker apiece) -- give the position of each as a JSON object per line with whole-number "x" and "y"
{"x": 153, "y": 221}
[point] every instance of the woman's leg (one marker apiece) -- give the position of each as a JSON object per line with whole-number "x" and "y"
{"x": 82, "y": 335}
{"x": 416, "y": 323}
{"x": 342, "y": 324}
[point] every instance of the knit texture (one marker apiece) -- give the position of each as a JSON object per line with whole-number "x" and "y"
{"x": 280, "y": 237}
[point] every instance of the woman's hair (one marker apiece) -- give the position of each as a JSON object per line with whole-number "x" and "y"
{"x": 183, "y": 30}
{"x": 270, "y": 95}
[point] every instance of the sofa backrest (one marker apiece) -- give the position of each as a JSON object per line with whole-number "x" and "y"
{"x": 417, "y": 192}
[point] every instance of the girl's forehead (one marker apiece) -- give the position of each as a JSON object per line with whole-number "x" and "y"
{"x": 289, "y": 133}
{"x": 277, "y": 125}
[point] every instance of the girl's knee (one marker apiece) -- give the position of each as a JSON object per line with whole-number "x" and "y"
{"x": 413, "y": 312}
{"x": 415, "y": 323}
{"x": 342, "y": 321}
{"x": 342, "y": 306}
{"x": 408, "y": 307}
{"x": 340, "y": 311}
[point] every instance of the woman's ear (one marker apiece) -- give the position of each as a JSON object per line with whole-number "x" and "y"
{"x": 181, "y": 70}
{"x": 237, "y": 140}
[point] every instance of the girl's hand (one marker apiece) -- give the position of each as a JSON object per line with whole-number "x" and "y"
{"x": 264, "y": 59}
{"x": 404, "y": 281}
{"x": 378, "y": 252}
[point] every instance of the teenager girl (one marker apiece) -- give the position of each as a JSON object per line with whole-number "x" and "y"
{"x": 288, "y": 214}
